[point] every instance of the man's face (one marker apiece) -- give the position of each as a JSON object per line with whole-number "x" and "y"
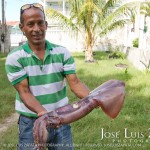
{"x": 34, "y": 25}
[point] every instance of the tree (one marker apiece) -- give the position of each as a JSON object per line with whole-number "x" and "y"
{"x": 145, "y": 8}
{"x": 93, "y": 19}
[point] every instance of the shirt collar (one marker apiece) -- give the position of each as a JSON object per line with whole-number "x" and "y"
{"x": 26, "y": 47}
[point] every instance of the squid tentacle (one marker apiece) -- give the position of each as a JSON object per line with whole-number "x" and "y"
{"x": 109, "y": 97}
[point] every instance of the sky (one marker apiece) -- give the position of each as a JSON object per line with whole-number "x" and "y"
{"x": 12, "y": 8}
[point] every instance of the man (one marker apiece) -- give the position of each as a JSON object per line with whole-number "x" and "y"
{"x": 38, "y": 70}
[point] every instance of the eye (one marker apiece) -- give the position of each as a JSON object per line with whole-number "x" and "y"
{"x": 41, "y": 23}
{"x": 30, "y": 24}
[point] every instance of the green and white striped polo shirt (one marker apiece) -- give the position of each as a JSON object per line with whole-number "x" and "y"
{"x": 46, "y": 78}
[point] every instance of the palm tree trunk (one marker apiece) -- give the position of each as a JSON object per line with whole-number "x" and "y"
{"x": 89, "y": 55}
{"x": 88, "y": 51}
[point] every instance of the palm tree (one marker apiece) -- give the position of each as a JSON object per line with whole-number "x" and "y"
{"x": 145, "y": 8}
{"x": 93, "y": 19}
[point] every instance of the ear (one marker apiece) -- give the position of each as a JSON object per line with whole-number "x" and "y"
{"x": 46, "y": 24}
{"x": 21, "y": 27}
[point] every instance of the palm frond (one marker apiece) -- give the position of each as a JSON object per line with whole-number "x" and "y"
{"x": 59, "y": 18}
{"x": 88, "y": 14}
{"x": 145, "y": 8}
{"x": 90, "y": 6}
{"x": 116, "y": 24}
{"x": 109, "y": 4}
{"x": 123, "y": 11}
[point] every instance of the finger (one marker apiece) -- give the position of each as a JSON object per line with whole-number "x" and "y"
{"x": 36, "y": 130}
{"x": 37, "y": 122}
{"x": 42, "y": 135}
{"x": 36, "y": 127}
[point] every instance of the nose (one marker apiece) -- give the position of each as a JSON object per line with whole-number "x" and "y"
{"x": 36, "y": 28}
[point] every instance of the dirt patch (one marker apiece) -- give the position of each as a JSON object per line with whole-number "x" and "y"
{"x": 121, "y": 66}
{"x": 8, "y": 122}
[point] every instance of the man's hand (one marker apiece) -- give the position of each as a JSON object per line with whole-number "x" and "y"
{"x": 41, "y": 113}
{"x": 40, "y": 132}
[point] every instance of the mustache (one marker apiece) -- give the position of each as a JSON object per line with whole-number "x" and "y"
{"x": 38, "y": 34}
{"x": 35, "y": 33}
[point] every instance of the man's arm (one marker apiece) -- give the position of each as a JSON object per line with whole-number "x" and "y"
{"x": 76, "y": 86}
{"x": 28, "y": 99}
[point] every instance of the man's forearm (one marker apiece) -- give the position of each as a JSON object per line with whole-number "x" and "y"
{"x": 77, "y": 87}
{"x": 81, "y": 90}
{"x": 28, "y": 99}
{"x": 32, "y": 103}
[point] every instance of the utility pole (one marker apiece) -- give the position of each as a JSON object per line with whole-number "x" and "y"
{"x": 3, "y": 28}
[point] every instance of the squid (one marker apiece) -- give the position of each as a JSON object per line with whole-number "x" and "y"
{"x": 109, "y": 96}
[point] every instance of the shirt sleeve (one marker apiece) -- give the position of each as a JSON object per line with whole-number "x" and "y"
{"x": 15, "y": 71}
{"x": 69, "y": 63}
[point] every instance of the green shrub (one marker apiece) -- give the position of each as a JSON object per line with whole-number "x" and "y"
{"x": 117, "y": 55}
{"x": 135, "y": 42}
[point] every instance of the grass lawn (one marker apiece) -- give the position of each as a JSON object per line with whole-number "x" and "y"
{"x": 129, "y": 131}
{"x": 7, "y": 92}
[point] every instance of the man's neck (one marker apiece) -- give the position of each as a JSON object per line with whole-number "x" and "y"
{"x": 39, "y": 50}
{"x": 37, "y": 47}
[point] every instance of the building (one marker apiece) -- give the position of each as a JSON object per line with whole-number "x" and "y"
{"x": 16, "y": 36}
{"x": 59, "y": 5}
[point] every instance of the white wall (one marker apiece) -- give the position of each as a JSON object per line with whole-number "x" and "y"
{"x": 64, "y": 38}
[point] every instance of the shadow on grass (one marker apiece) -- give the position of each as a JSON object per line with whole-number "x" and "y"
{"x": 98, "y": 55}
